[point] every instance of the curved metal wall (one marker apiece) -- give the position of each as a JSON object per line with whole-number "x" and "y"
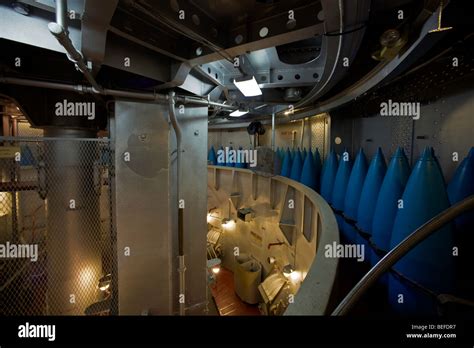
{"x": 303, "y": 230}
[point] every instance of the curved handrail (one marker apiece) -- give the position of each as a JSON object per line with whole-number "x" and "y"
{"x": 401, "y": 250}
{"x": 314, "y": 293}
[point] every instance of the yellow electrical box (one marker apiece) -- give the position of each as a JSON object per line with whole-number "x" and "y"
{"x": 9, "y": 151}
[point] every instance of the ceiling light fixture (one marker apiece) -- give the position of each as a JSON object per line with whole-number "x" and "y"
{"x": 248, "y": 86}
{"x": 288, "y": 270}
{"x": 238, "y": 113}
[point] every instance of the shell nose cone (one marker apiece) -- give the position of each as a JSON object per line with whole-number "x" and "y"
{"x": 328, "y": 173}
{"x": 431, "y": 263}
{"x": 211, "y": 156}
{"x": 286, "y": 166}
{"x": 462, "y": 186}
{"x": 341, "y": 181}
{"x": 297, "y": 166}
{"x": 354, "y": 186}
{"x": 428, "y": 154}
{"x": 387, "y": 205}
{"x": 308, "y": 175}
{"x": 399, "y": 152}
{"x": 370, "y": 192}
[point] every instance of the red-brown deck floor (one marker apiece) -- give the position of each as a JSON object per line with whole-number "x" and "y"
{"x": 227, "y": 301}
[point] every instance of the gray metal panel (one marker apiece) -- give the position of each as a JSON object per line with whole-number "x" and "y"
{"x": 446, "y": 125}
{"x": 146, "y": 209}
{"x": 343, "y": 129}
{"x": 143, "y": 208}
{"x": 33, "y": 29}
{"x": 401, "y": 132}
{"x": 319, "y": 134}
{"x": 95, "y": 23}
{"x": 385, "y": 132}
{"x": 143, "y": 61}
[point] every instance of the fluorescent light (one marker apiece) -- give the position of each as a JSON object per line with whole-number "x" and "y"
{"x": 238, "y": 113}
{"x": 248, "y": 87}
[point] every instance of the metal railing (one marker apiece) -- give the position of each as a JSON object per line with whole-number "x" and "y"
{"x": 401, "y": 250}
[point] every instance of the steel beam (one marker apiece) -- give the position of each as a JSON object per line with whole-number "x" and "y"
{"x": 277, "y": 24}
{"x": 133, "y": 27}
{"x": 33, "y": 30}
{"x": 146, "y": 44}
{"x": 142, "y": 61}
{"x": 95, "y": 23}
{"x": 374, "y": 77}
{"x": 269, "y": 41}
{"x": 346, "y": 14}
{"x": 186, "y": 18}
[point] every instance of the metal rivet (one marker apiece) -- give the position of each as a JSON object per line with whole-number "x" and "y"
{"x": 263, "y": 32}
{"x": 238, "y": 39}
{"x": 321, "y": 15}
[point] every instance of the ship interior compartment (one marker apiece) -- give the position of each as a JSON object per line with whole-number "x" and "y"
{"x": 236, "y": 158}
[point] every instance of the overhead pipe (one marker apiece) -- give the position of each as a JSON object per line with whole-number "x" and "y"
{"x": 83, "y": 89}
{"x": 61, "y": 14}
{"x": 201, "y": 101}
{"x": 60, "y": 32}
{"x": 401, "y": 250}
{"x": 182, "y": 265}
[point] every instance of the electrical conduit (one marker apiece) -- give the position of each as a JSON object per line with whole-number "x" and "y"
{"x": 182, "y": 266}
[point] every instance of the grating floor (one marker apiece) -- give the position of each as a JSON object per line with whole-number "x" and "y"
{"x": 227, "y": 301}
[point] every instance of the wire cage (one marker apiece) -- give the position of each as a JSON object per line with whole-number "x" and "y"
{"x": 57, "y": 236}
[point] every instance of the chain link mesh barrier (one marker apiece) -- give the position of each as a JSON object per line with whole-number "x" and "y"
{"x": 57, "y": 237}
